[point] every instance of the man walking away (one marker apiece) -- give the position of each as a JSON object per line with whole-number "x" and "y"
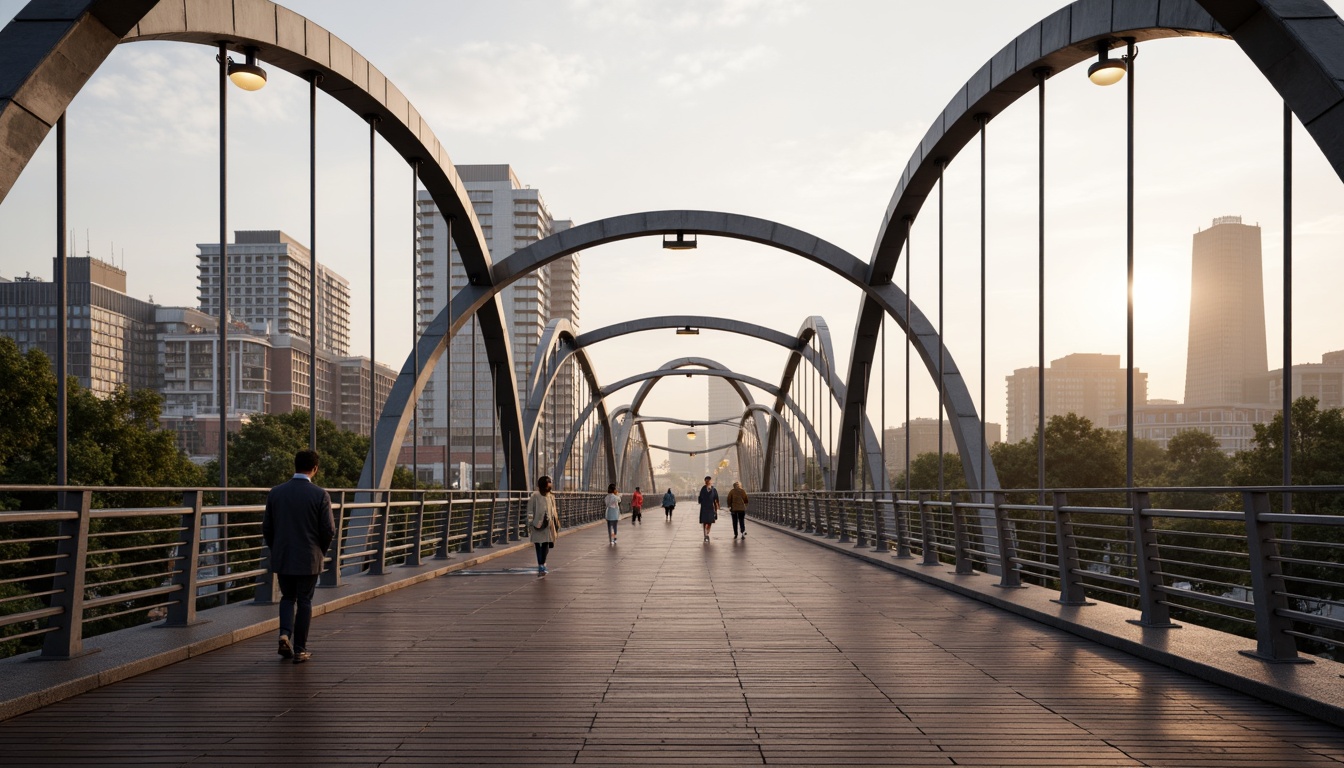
{"x": 737, "y": 507}
{"x": 298, "y": 528}
{"x": 636, "y": 507}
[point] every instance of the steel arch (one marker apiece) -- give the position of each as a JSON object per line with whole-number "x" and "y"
{"x": 70, "y": 40}
{"x": 1294, "y": 44}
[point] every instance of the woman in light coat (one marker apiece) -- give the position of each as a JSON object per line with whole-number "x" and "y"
{"x": 544, "y": 519}
{"x": 613, "y": 502}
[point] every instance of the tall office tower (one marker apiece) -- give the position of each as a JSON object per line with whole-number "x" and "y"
{"x": 685, "y": 463}
{"x": 512, "y": 216}
{"x": 1227, "y": 313}
{"x": 111, "y": 341}
{"x": 1089, "y": 385}
{"x": 269, "y": 283}
{"x": 726, "y": 404}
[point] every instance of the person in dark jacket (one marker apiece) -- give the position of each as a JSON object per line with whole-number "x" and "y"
{"x": 709, "y": 504}
{"x": 669, "y": 503}
{"x": 298, "y": 528}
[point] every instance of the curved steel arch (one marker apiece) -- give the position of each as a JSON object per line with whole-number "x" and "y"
{"x": 623, "y": 438}
{"x": 888, "y": 297}
{"x": 677, "y": 368}
{"x": 74, "y": 38}
{"x": 1294, "y": 43}
{"x": 822, "y": 360}
{"x": 819, "y": 448}
{"x": 773, "y": 414}
{"x": 559, "y": 334}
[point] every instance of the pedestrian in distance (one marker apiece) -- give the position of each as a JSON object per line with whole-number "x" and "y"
{"x": 709, "y": 505}
{"x": 636, "y": 507}
{"x": 544, "y": 518}
{"x": 737, "y": 507}
{"x": 669, "y": 503}
{"x": 613, "y": 501}
{"x": 298, "y": 528}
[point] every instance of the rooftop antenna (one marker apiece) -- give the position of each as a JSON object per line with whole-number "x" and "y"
{"x": 88, "y": 253}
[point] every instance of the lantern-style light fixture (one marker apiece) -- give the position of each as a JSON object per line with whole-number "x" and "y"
{"x": 248, "y": 75}
{"x": 1106, "y": 71}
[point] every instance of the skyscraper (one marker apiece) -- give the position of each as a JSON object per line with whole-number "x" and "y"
{"x": 512, "y": 216}
{"x": 1227, "y": 314}
{"x": 724, "y": 404}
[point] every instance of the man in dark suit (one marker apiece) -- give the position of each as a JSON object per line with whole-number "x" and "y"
{"x": 298, "y": 529}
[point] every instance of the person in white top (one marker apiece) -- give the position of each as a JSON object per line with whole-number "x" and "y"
{"x": 613, "y": 501}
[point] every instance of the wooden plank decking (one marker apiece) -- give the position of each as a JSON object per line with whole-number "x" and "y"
{"x": 663, "y": 650}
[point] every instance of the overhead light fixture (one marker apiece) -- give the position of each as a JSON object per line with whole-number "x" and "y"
{"x": 1106, "y": 71}
{"x": 692, "y": 454}
{"x": 247, "y": 75}
{"x": 679, "y": 242}
{"x": 690, "y": 433}
{"x": 688, "y": 331}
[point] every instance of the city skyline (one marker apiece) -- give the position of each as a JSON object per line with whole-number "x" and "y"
{"x": 826, "y": 161}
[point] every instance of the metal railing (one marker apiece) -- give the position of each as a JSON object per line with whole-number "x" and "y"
{"x": 1246, "y": 568}
{"x": 89, "y": 562}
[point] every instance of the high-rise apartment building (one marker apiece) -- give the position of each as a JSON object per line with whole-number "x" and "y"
{"x": 1089, "y": 385}
{"x": 512, "y": 216}
{"x": 1227, "y": 313}
{"x": 924, "y": 439}
{"x": 111, "y": 335}
{"x": 269, "y": 284}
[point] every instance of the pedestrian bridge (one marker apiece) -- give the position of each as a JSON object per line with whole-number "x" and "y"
{"x": 780, "y": 648}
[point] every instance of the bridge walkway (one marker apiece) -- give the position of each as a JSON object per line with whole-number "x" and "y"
{"x": 663, "y": 650}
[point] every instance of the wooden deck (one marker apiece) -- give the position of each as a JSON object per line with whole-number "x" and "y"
{"x": 663, "y": 650}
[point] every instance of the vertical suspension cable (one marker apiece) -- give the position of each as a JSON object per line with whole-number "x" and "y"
{"x": 984, "y": 409}
{"x": 882, "y": 333}
{"x": 448, "y": 362}
{"x": 373, "y": 280}
{"x": 1041, "y": 74}
{"x": 908, "y": 289}
{"x": 1129, "y": 267}
{"x": 222, "y": 360}
{"x": 1287, "y": 304}
{"x": 415, "y": 324}
{"x": 942, "y": 342}
{"x": 313, "y": 80}
{"x": 62, "y": 280}
{"x": 475, "y": 422}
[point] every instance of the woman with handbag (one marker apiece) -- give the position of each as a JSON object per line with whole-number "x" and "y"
{"x": 544, "y": 519}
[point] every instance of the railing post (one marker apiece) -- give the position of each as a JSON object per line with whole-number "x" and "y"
{"x": 1155, "y": 612}
{"x": 860, "y": 536}
{"x": 384, "y": 528}
{"x": 1071, "y": 591}
{"x": 926, "y": 532}
{"x": 1272, "y": 641}
{"x": 442, "y": 553}
{"x": 1009, "y": 578}
{"x": 513, "y": 516}
{"x": 880, "y": 503}
{"x": 470, "y": 541}
{"x": 183, "y": 612}
{"x": 331, "y": 569}
{"x": 417, "y": 534}
{"x": 843, "y": 520}
{"x": 489, "y": 520}
{"x": 901, "y": 514}
{"x": 830, "y": 517}
{"x": 964, "y": 566}
{"x": 67, "y": 641}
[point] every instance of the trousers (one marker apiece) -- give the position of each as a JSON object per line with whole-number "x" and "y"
{"x": 296, "y": 607}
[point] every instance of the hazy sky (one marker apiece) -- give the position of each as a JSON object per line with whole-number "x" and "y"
{"x": 800, "y": 112}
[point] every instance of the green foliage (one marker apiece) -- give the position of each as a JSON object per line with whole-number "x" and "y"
{"x": 924, "y": 473}
{"x": 261, "y": 454}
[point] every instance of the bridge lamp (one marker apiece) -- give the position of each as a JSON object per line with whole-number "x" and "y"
{"x": 247, "y": 75}
{"x": 690, "y": 433}
{"x": 1106, "y": 71}
{"x": 680, "y": 242}
{"x": 688, "y": 331}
